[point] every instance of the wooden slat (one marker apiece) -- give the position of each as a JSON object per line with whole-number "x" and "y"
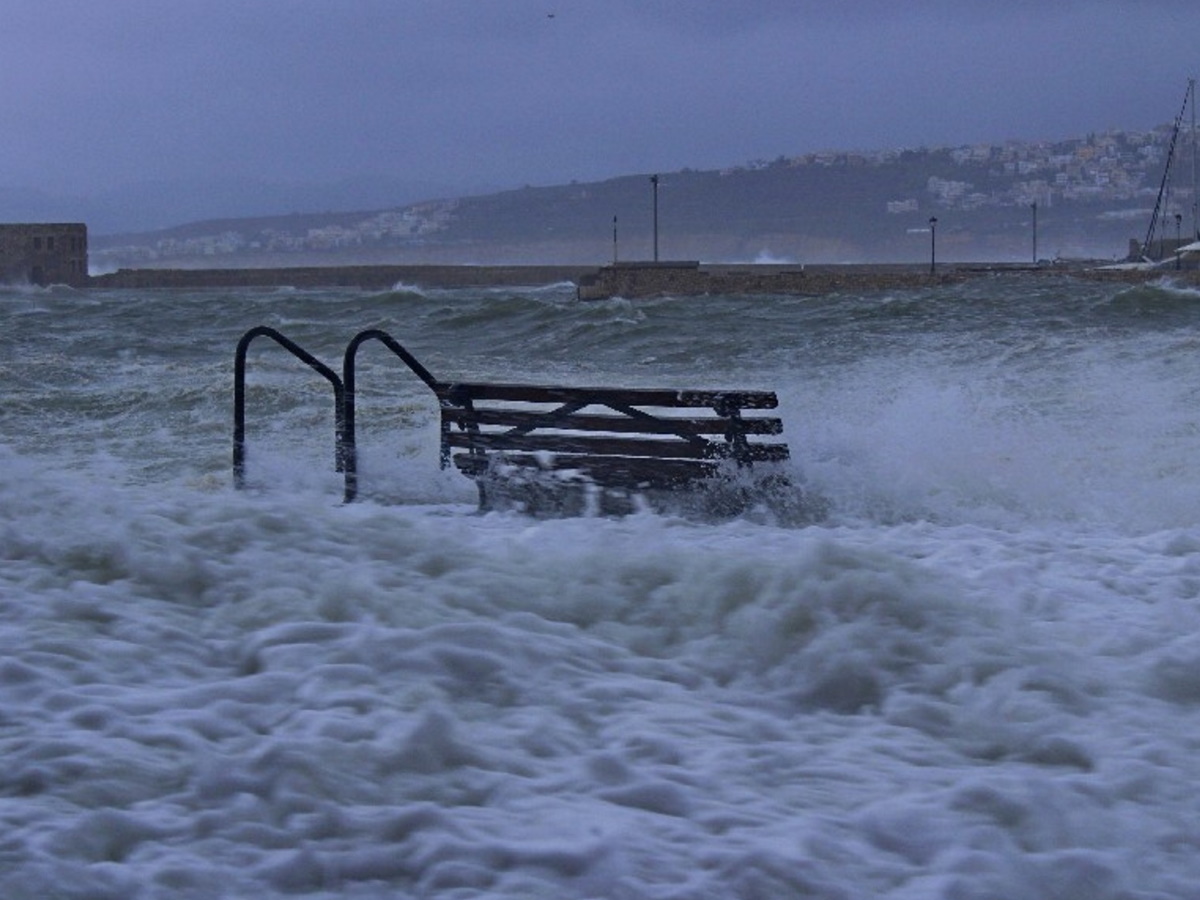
{"x": 526, "y": 419}
{"x": 459, "y": 393}
{"x": 611, "y": 471}
{"x": 582, "y": 444}
{"x": 610, "y": 446}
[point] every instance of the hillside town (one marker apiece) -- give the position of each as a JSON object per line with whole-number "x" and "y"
{"x": 1115, "y": 166}
{"x": 400, "y": 225}
{"x": 1115, "y": 176}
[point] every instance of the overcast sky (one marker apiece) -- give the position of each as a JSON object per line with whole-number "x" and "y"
{"x": 98, "y": 95}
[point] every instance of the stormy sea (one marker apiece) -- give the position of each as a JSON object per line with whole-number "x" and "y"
{"x": 976, "y": 674}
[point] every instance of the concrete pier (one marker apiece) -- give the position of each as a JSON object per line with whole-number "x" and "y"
{"x": 365, "y": 277}
{"x": 629, "y": 280}
{"x": 633, "y": 280}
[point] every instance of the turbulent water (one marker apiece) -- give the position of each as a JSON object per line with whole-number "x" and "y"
{"x": 977, "y": 677}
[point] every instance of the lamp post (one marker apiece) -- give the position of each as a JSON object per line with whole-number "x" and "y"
{"x": 654, "y": 181}
{"x": 932, "y": 244}
{"x": 1033, "y": 206}
{"x": 614, "y": 240}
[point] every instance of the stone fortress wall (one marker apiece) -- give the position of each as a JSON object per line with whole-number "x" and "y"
{"x": 44, "y": 253}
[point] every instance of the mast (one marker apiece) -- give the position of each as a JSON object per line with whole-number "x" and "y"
{"x": 1195, "y": 198}
{"x": 1162, "y": 188}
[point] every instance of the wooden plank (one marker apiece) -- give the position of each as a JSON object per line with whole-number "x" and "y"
{"x": 609, "y": 446}
{"x": 583, "y": 444}
{"x": 459, "y": 393}
{"x": 606, "y": 471}
{"x": 526, "y": 419}
{"x": 613, "y": 471}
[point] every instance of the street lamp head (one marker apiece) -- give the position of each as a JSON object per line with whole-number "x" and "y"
{"x": 932, "y": 221}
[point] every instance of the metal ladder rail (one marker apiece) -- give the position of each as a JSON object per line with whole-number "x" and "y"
{"x": 349, "y": 450}
{"x": 239, "y": 398}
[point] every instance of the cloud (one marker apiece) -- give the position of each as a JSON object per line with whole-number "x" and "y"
{"x": 462, "y": 91}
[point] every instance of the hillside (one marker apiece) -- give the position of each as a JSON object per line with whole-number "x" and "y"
{"x": 1093, "y": 194}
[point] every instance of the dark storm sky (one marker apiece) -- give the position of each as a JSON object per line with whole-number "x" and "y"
{"x": 96, "y": 96}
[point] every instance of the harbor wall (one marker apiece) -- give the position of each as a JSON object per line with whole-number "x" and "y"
{"x": 379, "y": 277}
{"x": 640, "y": 280}
{"x": 628, "y": 280}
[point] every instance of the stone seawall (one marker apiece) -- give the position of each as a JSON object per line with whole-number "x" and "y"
{"x": 640, "y": 280}
{"x": 630, "y": 280}
{"x": 650, "y": 281}
{"x": 366, "y": 277}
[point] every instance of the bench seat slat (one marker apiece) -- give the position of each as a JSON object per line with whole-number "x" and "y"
{"x": 610, "y": 471}
{"x": 615, "y": 424}
{"x": 458, "y": 393}
{"x": 611, "y": 446}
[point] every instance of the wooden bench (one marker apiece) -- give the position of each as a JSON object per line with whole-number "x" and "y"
{"x": 573, "y": 450}
{"x": 608, "y": 449}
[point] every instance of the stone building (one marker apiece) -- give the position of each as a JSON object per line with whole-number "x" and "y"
{"x": 44, "y": 254}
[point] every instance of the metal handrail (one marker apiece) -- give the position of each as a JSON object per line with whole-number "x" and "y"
{"x": 349, "y": 451}
{"x": 239, "y": 398}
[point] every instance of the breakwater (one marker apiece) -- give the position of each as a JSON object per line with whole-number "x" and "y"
{"x": 630, "y": 280}
{"x": 378, "y": 277}
{"x": 690, "y": 278}
{"x": 634, "y": 280}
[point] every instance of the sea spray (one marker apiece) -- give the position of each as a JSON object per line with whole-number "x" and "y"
{"x": 976, "y": 677}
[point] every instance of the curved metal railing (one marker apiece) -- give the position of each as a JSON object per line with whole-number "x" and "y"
{"x": 349, "y": 455}
{"x": 345, "y": 444}
{"x": 239, "y": 397}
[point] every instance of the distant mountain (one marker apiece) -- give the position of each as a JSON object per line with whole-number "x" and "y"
{"x": 1092, "y": 195}
{"x": 147, "y": 206}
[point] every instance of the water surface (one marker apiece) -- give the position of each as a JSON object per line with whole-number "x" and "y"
{"x": 979, "y": 676}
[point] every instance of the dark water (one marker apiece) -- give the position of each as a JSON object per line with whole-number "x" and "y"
{"x": 976, "y": 678}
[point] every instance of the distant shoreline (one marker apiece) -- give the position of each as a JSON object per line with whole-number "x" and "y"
{"x": 631, "y": 280}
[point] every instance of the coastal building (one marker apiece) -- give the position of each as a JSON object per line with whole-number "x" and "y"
{"x": 44, "y": 253}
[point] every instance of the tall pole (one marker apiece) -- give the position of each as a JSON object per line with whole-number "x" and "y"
{"x": 614, "y": 240}
{"x": 932, "y": 244}
{"x": 1195, "y": 198}
{"x": 654, "y": 181}
{"x": 1035, "y": 208}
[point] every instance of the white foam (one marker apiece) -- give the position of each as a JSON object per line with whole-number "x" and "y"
{"x": 978, "y": 678}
